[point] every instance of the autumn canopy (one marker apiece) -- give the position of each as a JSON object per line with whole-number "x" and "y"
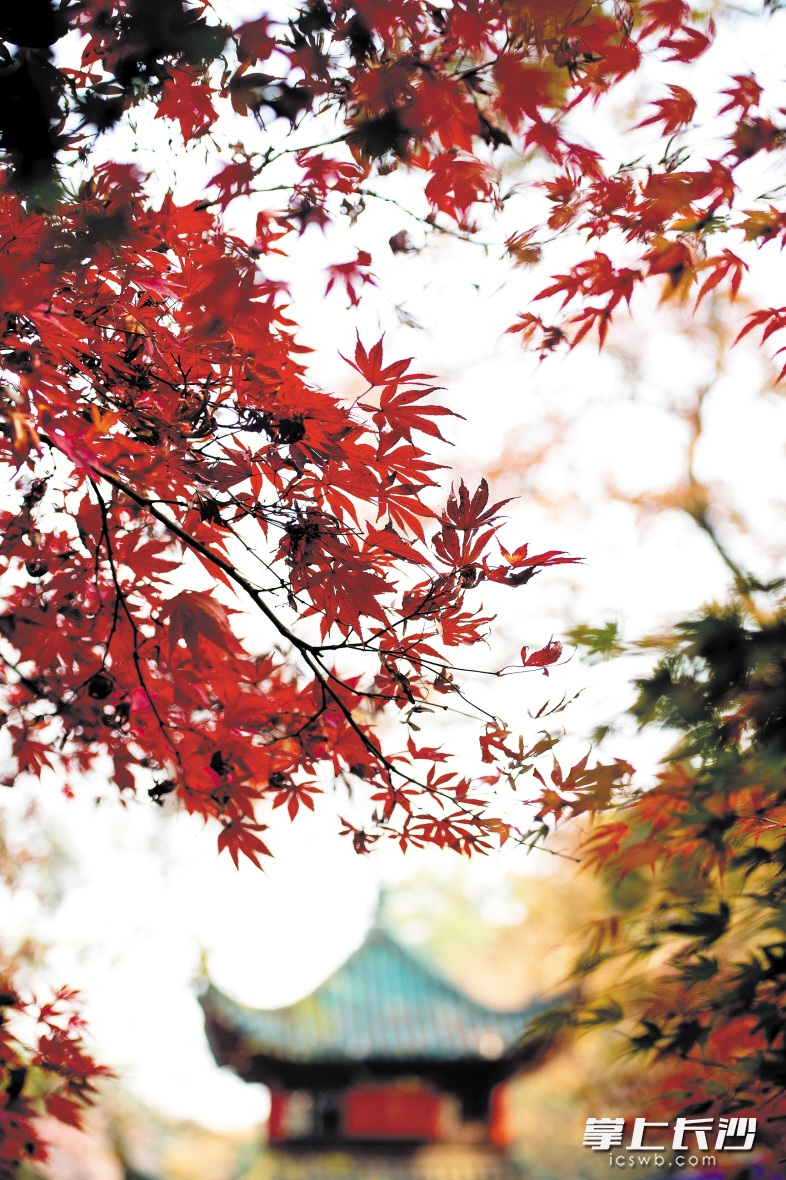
{"x": 157, "y": 416}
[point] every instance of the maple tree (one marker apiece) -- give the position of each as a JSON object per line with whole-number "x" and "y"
{"x": 687, "y": 962}
{"x": 680, "y": 972}
{"x": 157, "y": 408}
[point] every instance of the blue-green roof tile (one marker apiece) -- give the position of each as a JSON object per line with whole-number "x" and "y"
{"x": 382, "y": 1003}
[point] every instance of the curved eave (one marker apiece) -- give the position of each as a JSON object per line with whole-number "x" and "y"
{"x": 237, "y": 1041}
{"x": 382, "y": 1008}
{"x": 469, "y": 1076}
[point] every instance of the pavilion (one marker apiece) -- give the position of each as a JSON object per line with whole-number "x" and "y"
{"x": 385, "y": 1066}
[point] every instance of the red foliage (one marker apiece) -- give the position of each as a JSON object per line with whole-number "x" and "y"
{"x": 162, "y": 372}
{"x": 55, "y": 1061}
{"x": 441, "y": 89}
{"x": 156, "y": 408}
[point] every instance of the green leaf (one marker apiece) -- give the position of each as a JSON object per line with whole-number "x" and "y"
{"x": 701, "y": 969}
{"x": 599, "y": 643}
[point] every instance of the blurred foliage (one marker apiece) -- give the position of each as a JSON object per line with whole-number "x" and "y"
{"x": 689, "y": 964}
{"x": 666, "y": 390}
{"x": 125, "y": 1139}
{"x": 502, "y": 938}
{"x": 508, "y": 938}
{"x": 671, "y": 939}
{"x": 597, "y": 642}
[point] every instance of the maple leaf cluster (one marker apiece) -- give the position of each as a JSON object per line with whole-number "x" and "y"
{"x": 47, "y": 1073}
{"x": 689, "y": 962}
{"x": 159, "y": 427}
{"x": 440, "y": 91}
{"x": 155, "y": 408}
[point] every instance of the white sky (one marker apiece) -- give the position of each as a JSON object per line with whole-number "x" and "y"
{"x": 145, "y": 894}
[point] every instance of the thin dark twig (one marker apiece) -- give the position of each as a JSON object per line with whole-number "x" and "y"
{"x": 132, "y": 623}
{"x": 31, "y": 686}
{"x": 462, "y": 235}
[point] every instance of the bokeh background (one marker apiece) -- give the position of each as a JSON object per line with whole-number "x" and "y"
{"x": 660, "y": 462}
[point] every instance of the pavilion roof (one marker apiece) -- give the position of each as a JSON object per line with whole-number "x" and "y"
{"x": 383, "y": 1003}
